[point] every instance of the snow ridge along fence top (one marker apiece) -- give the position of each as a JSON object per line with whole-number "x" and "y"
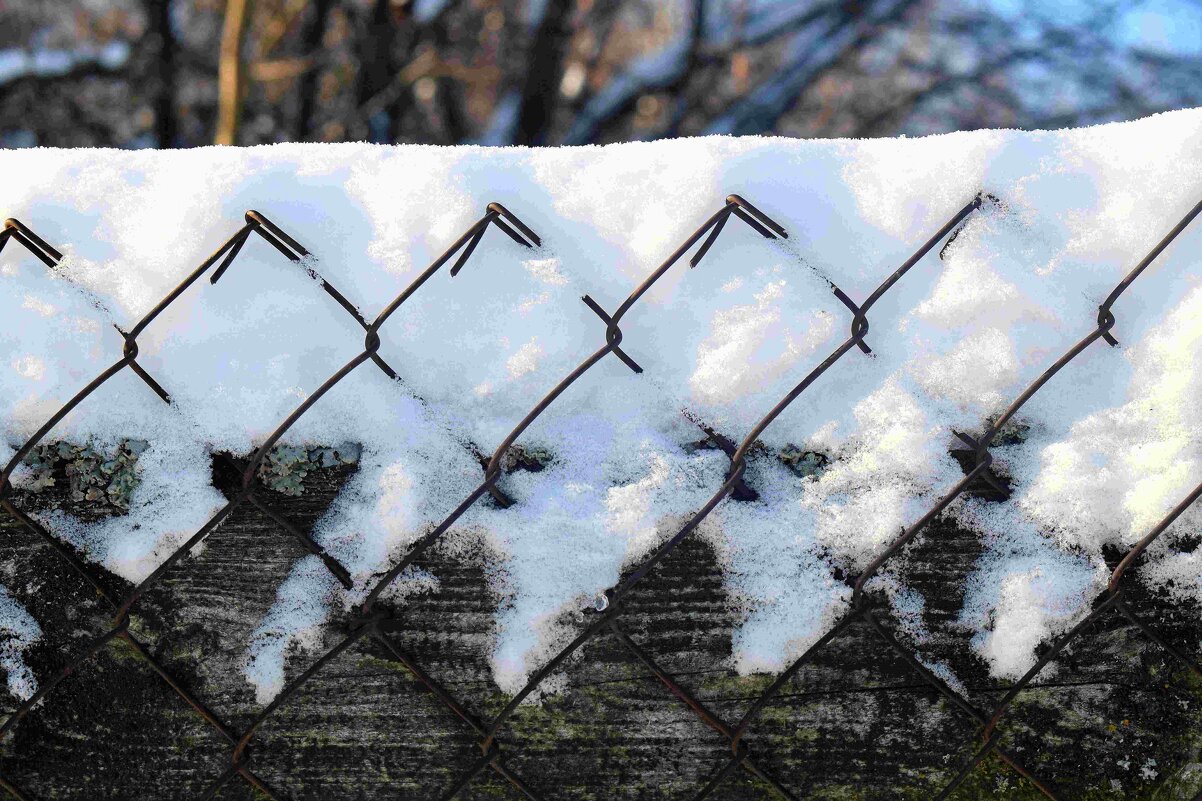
{"x": 373, "y": 622}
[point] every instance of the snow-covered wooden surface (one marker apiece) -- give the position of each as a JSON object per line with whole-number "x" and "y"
{"x": 1117, "y": 721}
{"x": 1097, "y": 457}
{"x": 1048, "y": 225}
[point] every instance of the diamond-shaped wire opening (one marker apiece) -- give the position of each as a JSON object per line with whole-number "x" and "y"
{"x": 762, "y": 225}
{"x": 499, "y": 216}
{"x": 610, "y": 610}
{"x": 738, "y": 207}
{"x": 1111, "y": 606}
{"x": 255, "y": 223}
{"x": 371, "y": 625}
{"x": 1105, "y": 323}
{"x": 50, "y": 257}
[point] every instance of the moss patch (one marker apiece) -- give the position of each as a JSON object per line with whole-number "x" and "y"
{"x": 285, "y": 467}
{"x": 93, "y": 477}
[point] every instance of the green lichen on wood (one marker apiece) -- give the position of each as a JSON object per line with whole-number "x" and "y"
{"x": 803, "y": 463}
{"x": 104, "y": 480}
{"x": 95, "y": 477}
{"x": 1013, "y": 432}
{"x": 530, "y": 458}
{"x": 285, "y": 467}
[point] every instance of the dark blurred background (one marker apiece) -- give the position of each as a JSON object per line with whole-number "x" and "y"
{"x": 180, "y": 73}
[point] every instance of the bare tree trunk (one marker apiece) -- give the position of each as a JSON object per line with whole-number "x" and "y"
{"x": 454, "y": 121}
{"x": 230, "y": 74}
{"x": 376, "y": 66}
{"x": 679, "y": 90}
{"x": 158, "y": 14}
{"x": 544, "y": 70}
{"x": 307, "y": 87}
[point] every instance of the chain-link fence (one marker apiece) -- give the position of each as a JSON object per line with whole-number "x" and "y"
{"x": 374, "y": 623}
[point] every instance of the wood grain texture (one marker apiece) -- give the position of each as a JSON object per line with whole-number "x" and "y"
{"x": 1116, "y": 720}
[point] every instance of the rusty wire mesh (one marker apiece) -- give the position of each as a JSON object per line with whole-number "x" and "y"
{"x": 372, "y": 622}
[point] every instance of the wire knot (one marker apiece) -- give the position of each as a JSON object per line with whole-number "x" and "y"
{"x": 490, "y": 749}
{"x": 371, "y": 342}
{"x": 613, "y": 334}
{"x": 240, "y": 758}
{"x": 368, "y": 619}
{"x": 1105, "y": 323}
{"x": 739, "y": 748}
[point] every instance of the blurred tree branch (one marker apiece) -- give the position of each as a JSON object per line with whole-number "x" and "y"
{"x": 158, "y": 15}
{"x": 312, "y": 36}
{"x": 540, "y": 89}
{"x": 187, "y": 72}
{"x": 230, "y": 76}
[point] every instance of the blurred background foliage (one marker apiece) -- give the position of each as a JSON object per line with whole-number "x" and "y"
{"x": 180, "y": 73}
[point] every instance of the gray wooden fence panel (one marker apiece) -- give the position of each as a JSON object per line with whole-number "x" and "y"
{"x": 1118, "y": 721}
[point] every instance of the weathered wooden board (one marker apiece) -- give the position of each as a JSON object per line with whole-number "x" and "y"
{"x": 1118, "y": 720}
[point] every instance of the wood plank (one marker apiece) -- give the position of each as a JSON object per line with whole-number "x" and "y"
{"x": 1117, "y": 721}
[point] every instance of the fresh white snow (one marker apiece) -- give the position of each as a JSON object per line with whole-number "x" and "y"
{"x": 1109, "y": 444}
{"x": 19, "y": 631}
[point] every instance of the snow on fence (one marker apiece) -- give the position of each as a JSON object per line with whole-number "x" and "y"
{"x": 373, "y": 619}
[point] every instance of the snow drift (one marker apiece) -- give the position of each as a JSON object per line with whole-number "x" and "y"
{"x": 1105, "y": 449}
